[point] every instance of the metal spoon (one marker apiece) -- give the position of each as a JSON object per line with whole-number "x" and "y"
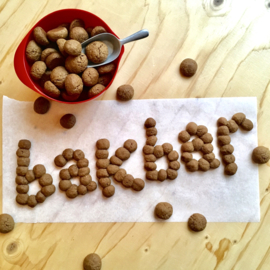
{"x": 113, "y": 43}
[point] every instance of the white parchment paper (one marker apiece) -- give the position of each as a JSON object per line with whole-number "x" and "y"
{"x": 220, "y": 198}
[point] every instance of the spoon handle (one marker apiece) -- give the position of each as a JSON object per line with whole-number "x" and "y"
{"x": 138, "y": 35}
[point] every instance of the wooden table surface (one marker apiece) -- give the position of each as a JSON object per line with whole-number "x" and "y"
{"x": 231, "y": 44}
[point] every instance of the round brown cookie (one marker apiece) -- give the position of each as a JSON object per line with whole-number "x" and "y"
{"x": 60, "y": 161}
{"x": 125, "y": 92}
{"x": 68, "y": 154}
{"x": 203, "y": 164}
{"x": 98, "y": 30}
{"x": 40, "y": 198}
{"x": 209, "y": 157}
{"x": 232, "y": 126}
{"x": 68, "y": 121}
{"x": 82, "y": 190}
{"x": 45, "y": 53}
{"x": 6, "y": 223}
{"x": 207, "y": 138}
{"x": 32, "y": 201}
{"x": 65, "y": 185}
{"x": 103, "y": 163}
{"x": 186, "y": 156}
{"x": 51, "y": 90}
{"x": 104, "y": 79}
{"x": 151, "y": 140}
{"x": 22, "y": 199}
{"x": 54, "y": 60}
{"x": 119, "y": 176}
{"x": 148, "y": 149}
{"x": 24, "y": 144}
{"x": 45, "y": 180}
{"x": 30, "y": 177}
{"x": 226, "y": 149}
{"x": 78, "y": 154}
{"x": 22, "y": 189}
{"x": 48, "y": 190}
{"x": 231, "y": 169}
{"x": 150, "y": 158}
{"x": 92, "y": 262}
{"x": 21, "y": 170}
{"x": 192, "y": 165}
{"x": 108, "y": 191}
{"x": 92, "y": 186}
{"x": 187, "y": 147}
{"x": 167, "y": 148}
{"x": 152, "y": 175}
{"x": 112, "y": 169}
{"x": 162, "y": 175}
{"x": 184, "y": 136}
{"x": 175, "y": 165}
{"x": 84, "y": 162}
{"x": 223, "y": 130}
{"x": 39, "y": 170}
{"x": 21, "y": 180}
{"x": 138, "y": 184}
{"x": 90, "y": 77}
{"x": 40, "y": 36}
{"x": 64, "y": 174}
{"x": 197, "y": 222}
{"x": 116, "y": 161}
{"x": 171, "y": 174}
{"x": 207, "y": 148}
{"x": 228, "y": 159}
{"x": 214, "y": 164}
{"x": 56, "y": 33}
{"x": 150, "y": 166}
{"x": 61, "y": 43}
{"x": 106, "y": 68}
{"x": 224, "y": 140}
{"x": 201, "y": 130}
{"x": 158, "y": 151}
{"x": 102, "y": 154}
{"x": 197, "y": 144}
{"x": 72, "y": 47}
{"x": 72, "y": 192}
{"x": 261, "y": 155}
{"x": 76, "y": 64}
{"x": 150, "y": 122}
{"x": 122, "y": 153}
{"x": 23, "y": 153}
{"x": 86, "y": 180}
{"x": 164, "y": 210}
{"x": 73, "y": 170}
{"x": 173, "y": 156}
{"x": 33, "y": 51}
{"x": 247, "y": 125}
{"x": 97, "y": 52}
{"x": 104, "y": 182}
{"x": 58, "y": 77}
{"x": 128, "y": 180}
{"x": 83, "y": 171}
{"x": 76, "y": 23}
{"x": 222, "y": 121}
{"x": 101, "y": 173}
{"x": 130, "y": 145}
{"x": 152, "y": 131}
{"x": 188, "y": 67}
{"x": 23, "y": 162}
{"x": 239, "y": 118}
{"x": 191, "y": 128}
{"x": 95, "y": 90}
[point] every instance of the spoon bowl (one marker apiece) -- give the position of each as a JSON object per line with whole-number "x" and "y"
{"x": 113, "y": 43}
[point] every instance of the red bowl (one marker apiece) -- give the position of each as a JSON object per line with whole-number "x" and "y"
{"x": 52, "y": 20}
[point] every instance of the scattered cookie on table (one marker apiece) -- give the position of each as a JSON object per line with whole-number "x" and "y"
{"x": 164, "y": 210}
{"x": 6, "y": 223}
{"x": 188, "y": 67}
{"x": 68, "y": 121}
{"x": 92, "y": 262}
{"x": 125, "y": 92}
{"x": 261, "y": 155}
{"x": 41, "y": 105}
{"x": 197, "y": 222}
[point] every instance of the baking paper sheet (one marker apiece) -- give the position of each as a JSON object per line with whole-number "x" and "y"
{"x": 220, "y": 198}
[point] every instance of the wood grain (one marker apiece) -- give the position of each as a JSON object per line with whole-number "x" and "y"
{"x": 231, "y": 45}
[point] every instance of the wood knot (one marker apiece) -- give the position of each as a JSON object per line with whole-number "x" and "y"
{"x": 12, "y": 247}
